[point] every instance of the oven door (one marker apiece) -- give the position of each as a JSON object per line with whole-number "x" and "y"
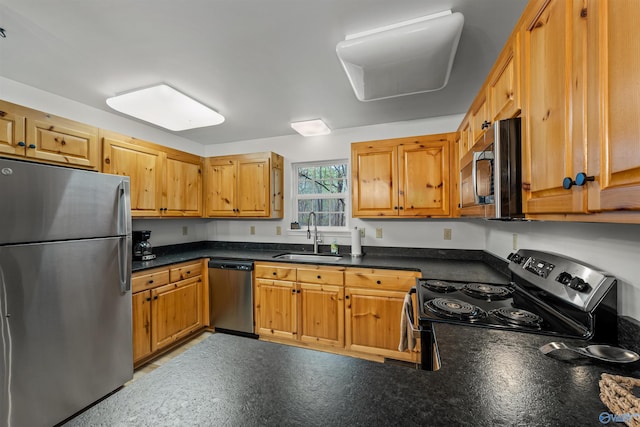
{"x": 429, "y": 354}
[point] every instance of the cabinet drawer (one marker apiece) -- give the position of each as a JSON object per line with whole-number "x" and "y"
{"x": 149, "y": 280}
{"x": 186, "y": 271}
{"x": 381, "y": 279}
{"x": 321, "y": 275}
{"x": 276, "y": 272}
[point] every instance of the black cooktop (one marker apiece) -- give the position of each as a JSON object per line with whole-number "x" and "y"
{"x": 503, "y": 306}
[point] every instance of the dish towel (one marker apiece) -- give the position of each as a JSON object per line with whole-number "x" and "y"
{"x": 407, "y": 340}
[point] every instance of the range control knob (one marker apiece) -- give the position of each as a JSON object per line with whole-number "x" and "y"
{"x": 564, "y": 278}
{"x": 578, "y": 284}
{"x": 515, "y": 258}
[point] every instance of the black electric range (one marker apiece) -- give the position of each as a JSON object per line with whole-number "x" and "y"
{"x": 548, "y": 294}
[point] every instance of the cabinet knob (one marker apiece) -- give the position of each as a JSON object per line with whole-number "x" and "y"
{"x": 401, "y": 207}
{"x": 21, "y": 144}
{"x": 150, "y": 281}
{"x": 188, "y": 272}
{"x": 32, "y": 146}
{"x": 485, "y": 125}
{"x": 395, "y": 207}
{"x": 293, "y": 291}
{"x": 378, "y": 282}
{"x": 581, "y": 179}
{"x": 274, "y": 273}
{"x": 319, "y": 277}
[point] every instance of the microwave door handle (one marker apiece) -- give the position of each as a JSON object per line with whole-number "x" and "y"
{"x": 474, "y": 176}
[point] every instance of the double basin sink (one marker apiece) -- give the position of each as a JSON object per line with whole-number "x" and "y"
{"x": 309, "y": 257}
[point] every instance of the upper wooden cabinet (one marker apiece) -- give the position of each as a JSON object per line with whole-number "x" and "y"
{"x": 249, "y": 185}
{"x": 46, "y": 138}
{"x": 580, "y": 113}
{"x": 164, "y": 182}
{"x": 613, "y": 106}
{"x": 405, "y": 177}
{"x": 554, "y": 138}
{"x": 503, "y": 87}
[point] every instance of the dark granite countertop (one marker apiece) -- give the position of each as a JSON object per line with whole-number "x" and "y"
{"x": 462, "y": 265}
{"x": 488, "y": 378}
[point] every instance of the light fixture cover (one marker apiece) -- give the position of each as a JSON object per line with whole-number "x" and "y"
{"x": 164, "y": 106}
{"x": 311, "y": 128}
{"x": 402, "y": 59}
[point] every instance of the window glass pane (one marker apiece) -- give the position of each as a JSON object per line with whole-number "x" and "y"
{"x": 323, "y": 189}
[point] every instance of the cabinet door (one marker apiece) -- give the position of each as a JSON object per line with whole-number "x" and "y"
{"x": 12, "y": 136}
{"x": 141, "y": 305}
{"x": 614, "y": 105}
{"x": 276, "y": 308}
{"x": 372, "y": 322}
{"x": 253, "y": 188}
{"x": 144, "y": 168}
{"x": 504, "y": 85}
{"x": 479, "y": 116}
{"x": 465, "y": 139}
{"x": 374, "y": 172}
{"x": 553, "y": 134}
{"x": 322, "y": 314}
{"x": 54, "y": 139}
{"x": 424, "y": 188}
{"x": 176, "y": 311}
{"x": 221, "y": 187}
{"x": 183, "y": 185}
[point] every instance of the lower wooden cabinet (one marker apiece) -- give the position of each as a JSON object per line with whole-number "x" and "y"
{"x": 352, "y": 311}
{"x": 321, "y": 294}
{"x": 306, "y": 307}
{"x": 169, "y": 303}
{"x": 374, "y": 301}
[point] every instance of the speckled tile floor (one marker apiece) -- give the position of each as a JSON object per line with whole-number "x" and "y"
{"x": 152, "y": 366}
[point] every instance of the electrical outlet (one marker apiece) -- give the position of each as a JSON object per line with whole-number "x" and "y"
{"x": 515, "y": 241}
{"x": 278, "y": 230}
{"x": 185, "y": 230}
{"x": 447, "y": 234}
{"x": 252, "y": 229}
{"x": 379, "y": 233}
{"x": 362, "y": 233}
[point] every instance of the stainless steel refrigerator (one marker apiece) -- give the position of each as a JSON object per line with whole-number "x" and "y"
{"x": 65, "y": 290}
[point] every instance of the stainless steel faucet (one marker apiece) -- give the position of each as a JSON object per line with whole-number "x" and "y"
{"x": 315, "y": 231}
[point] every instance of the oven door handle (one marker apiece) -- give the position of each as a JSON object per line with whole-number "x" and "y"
{"x": 408, "y": 308}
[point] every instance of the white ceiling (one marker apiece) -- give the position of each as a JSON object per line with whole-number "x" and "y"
{"x": 260, "y": 63}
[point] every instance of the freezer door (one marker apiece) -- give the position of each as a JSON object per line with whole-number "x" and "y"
{"x": 65, "y": 328}
{"x": 47, "y": 203}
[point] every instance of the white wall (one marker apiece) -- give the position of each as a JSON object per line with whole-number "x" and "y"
{"x": 337, "y": 145}
{"x": 172, "y": 231}
{"x": 612, "y": 247}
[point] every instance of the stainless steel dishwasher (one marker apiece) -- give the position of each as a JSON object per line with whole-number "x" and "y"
{"x": 231, "y": 296}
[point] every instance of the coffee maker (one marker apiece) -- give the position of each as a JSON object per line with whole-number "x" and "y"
{"x": 142, "y": 250}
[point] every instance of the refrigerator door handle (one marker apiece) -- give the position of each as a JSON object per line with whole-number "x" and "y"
{"x": 124, "y": 263}
{"x": 124, "y": 208}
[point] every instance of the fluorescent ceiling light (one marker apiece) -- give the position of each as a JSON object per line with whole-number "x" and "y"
{"x": 164, "y": 106}
{"x": 311, "y": 128}
{"x": 409, "y": 57}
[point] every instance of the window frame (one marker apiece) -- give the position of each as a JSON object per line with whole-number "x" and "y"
{"x": 346, "y": 196}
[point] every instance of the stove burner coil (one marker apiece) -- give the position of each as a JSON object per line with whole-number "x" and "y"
{"x": 487, "y": 292}
{"x": 439, "y": 286}
{"x": 454, "y": 308}
{"x": 516, "y": 316}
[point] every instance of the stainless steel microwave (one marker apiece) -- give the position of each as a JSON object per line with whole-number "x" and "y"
{"x": 490, "y": 175}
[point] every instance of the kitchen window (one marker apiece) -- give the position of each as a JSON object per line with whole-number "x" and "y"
{"x": 323, "y": 188}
